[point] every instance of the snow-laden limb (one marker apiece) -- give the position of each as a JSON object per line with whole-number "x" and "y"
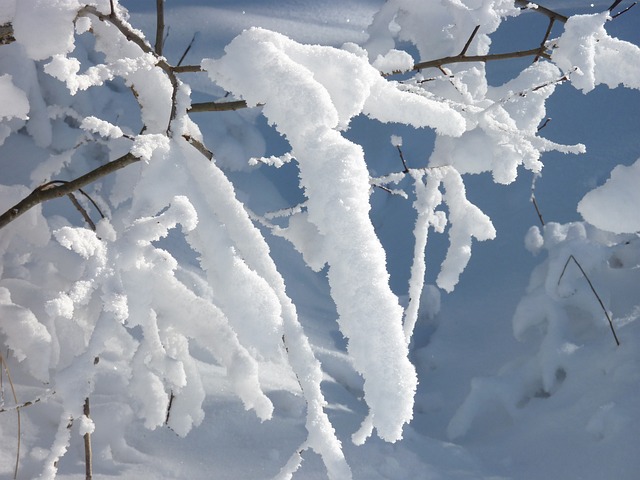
{"x": 309, "y": 93}
{"x": 467, "y": 222}
{"x": 415, "y": 21}
{"x": 502, "y": 128}
{"x": 599, "y": 58}
{"x": 24, "y": 334}
{"x": 428, "y": 198}
{"x": 234, "y": 255}
{"x": 614, "y": 205}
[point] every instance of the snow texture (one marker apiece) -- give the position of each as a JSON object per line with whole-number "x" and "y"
{"x": 613, "y": 206}
{"x": 370, "y": 316}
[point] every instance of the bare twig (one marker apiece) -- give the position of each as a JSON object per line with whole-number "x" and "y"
{"x": 76, "y": 204}
{"x": 199, "y": 146}
{"x": 624, "y": 11}
{"x": 404, "y": 163}
{"x": 217, "y": 106}
{"x": 535, "y": 205}
{"x": 88, "y": 457}
{"x": 40, "y": 195}
{"x": 466, "y": 45}
{"x": 571, "y": 257}
{"x": 478, "y": 58}
{"x": 546, "y": 37}
{"x": 525, "y": 4}
{"x": 545, "y": 123}
{"x": 171, "y": 397}
{"x": 17, "y": 408}
{"x": 82, "y": 211}
{"x": 614, "y": 4}
{"x": 159, "y": 26}
{"x": 193, "y": 39}
{"x": 187, "y": 68}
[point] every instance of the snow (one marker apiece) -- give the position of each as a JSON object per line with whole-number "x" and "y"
{"x": 16, "y": 103}
{"x": 596, "y": 57}
{"x": 611, "y": 206}
{"x": 324, "y": 318}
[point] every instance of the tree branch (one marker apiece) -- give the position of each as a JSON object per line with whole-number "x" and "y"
{"x": 144, "y": 46}
{"x": 88, "y": 455}
{"x": 49, "y": 192}
{"x": 217, "y": 106}
{"x": 159, "y": 26}
{"x": 478, "y": 58}
{"x": 466, "y": 45}
{"x": 525, "y": 5}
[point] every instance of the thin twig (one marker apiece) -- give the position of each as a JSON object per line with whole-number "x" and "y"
{"x": 88, "y": 457}
{"x": 82, "y": 211}
{"x": 614, "y": 4}
{"x": 40, "y": 195}
{"x": 199, "y": 146}
{"x": 525, "y": 4}
{"x": 624, "y": 11}
{"x": 478, "y": 58}
{"x": 466, "y": 45}
{"x": 187, "y": 68}
{"x": 17, "y": 408}
{"x": 571, "y": 257}
{"x": 75, "y": 202}
{"x": 217, "y": 106}
{"x": 535, "y": 204}
{"x": 546, "y": 37}
{"x": 193, "y": 39}
{"x": 159, "y": 26}
{"x": 404, "y": 163}
{"x": 171, "y": 397}
{"x": 546, "y": 122}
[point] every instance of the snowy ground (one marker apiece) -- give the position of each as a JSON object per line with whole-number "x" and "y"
{"x": 583, "y": 427}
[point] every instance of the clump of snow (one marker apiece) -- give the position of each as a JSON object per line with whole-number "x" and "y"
{"x": 596, "y": 57}
{"x": 393, "y": 61}
{"x": 396, "y": 140}
{"x": 101, "y": 127}
{"x": 15, "y": 103}
{"x": 28, "y": 339}
{"x": 145, "y": 145}
{"x": 52, "y": 20}
{"x": 614, "y": 205}
{"x": 533, "y": 240}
